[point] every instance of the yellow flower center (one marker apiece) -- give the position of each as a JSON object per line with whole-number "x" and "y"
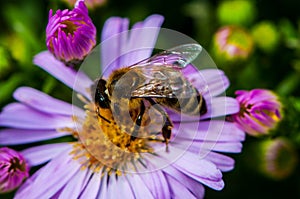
{"x": 16, "y": 165}
{"x": 70, "y": 27}
{"x": 103, "y": 145}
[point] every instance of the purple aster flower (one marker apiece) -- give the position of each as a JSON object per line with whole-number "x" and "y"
{"x": 92, "y": 166}
{"x": 70, "y": 34}
{"x": 260, "y": 111}
{"x": 13, "y": 169}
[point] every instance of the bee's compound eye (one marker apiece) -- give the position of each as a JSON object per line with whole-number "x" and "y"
{"x": 103, "y": 103}
{"x": 101, "y": 85}
{"x": 102, "y": 99}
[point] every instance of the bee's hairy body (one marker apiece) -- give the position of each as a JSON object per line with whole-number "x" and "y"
{"x": 130, "y": 92}
{"x": 121, "y": 103}
{"x": 192, "y": 105}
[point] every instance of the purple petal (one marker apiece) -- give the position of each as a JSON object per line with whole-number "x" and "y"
{"x": 216, "y": 85}
{"x": 102, "y": 194}
{"x": 112, "y": 189}
{"x": 121, "y": 47}
{"x": 258, "y": 95}
{"x": 45, "y": 185}
{"x": 178, "y": 190}
{"x": 138, "y": 185}
{"x": 20, "y": 116}
{"x": 92, "y": 187}
{"x": 43, "y": 102}
{"x": 118, "y": 188}
{"x": 141, "y": 40}
{"x": 214, "y": 130}
{"x": 251, "y": 126}
{"x": 210, "y": 82}
{"x": 195, "y": 187}
{"x": 263, "y": 118}
{"x": 111, "y": 41}
{"x": 41, "y": 154}
{"x": 24, "y": 136}
{"x": 202, "y": 148}
{"x": 192, "y": 168}
{"x": 269, "y": 105}
{"x": 123, "y": 186}
{"x": 228, "y": 147}
{"x": 241, "y": 93}
{"x": 191, "y": 165}
{"x": 221, "y": 106}
{"x": 157, "y": 184}
{"x": 67, "y": 75}
{"x": 223, "y": 162}
{"x": 76, "y": 185}
{"x": 28, "y": 182}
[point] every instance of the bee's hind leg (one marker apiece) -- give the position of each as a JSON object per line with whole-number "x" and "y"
{"x": 168, "y": 125}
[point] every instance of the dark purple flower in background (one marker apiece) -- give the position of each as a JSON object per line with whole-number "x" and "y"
{"x": 13, "y": 169}
{"x": 76, "y": 169}
{"x": 260, "y": 111}
{"x": 70, "y": 34}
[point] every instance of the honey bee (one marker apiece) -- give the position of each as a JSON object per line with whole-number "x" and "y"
{"x": 157, "y": 82}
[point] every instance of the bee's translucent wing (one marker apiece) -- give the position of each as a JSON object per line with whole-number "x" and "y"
{"x": 177, "y": 57}
{"x": 157, "y": 81}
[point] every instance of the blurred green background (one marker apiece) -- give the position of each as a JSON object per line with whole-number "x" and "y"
{"x": 272, "y": 61}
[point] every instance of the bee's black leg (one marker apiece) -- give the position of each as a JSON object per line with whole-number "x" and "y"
{"x": 167, "y": 128}
{"x": 138, "y": 122}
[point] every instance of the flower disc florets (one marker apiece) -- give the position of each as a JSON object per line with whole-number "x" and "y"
{"x": 106, "y": 145}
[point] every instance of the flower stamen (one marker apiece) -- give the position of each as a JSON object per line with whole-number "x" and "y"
{"x": 16, "y": 165}
{"x": 104, "y": 146}
{"x": 69, "y": 27}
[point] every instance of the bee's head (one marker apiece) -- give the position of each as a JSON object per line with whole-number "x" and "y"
{"x": 113, "y": 80}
